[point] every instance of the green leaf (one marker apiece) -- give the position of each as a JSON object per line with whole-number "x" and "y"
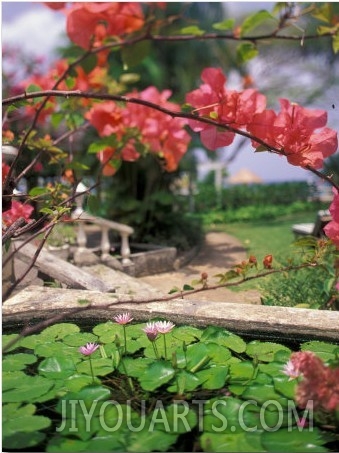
{"x": 17, "y": 361}
{"x": 184, "y": 382}
{"x": 101, "y": 366}
{"x": 255, "y": 20}
{"x": 146, "y": 441}
{"x": 57, "y": 367}
{"x": 59, "y": 331}
{"x": 135, "y": 54}
{"x": 135, "y": 367}
{"x": 31, "y": 388}
{"x": 175, "y": 289}
{"x": 80, "y": 339}
{"x": 263, "y": 393}
{"x": 38, "y": 191}
{"x": 157, "y": 374}
{"x": 99, "y": 145}
{"x": 33, "y": 88}
{"x": 242, "y": 371}
{"x": 213, "y": 378}
{"x": 323, "y": 13}
{"x": 180, "y": 418}
{"x": 89, "y": 63}
{"x": 222, "y": 337}
{"x": 264, "y": 351}
{"x": 57, "y": 349}
{"x": 18, "y": 421}
{"x": 87, "y": 394}
{"x": 187, "y": 333}
{"x": 192, "y": 30}
{"x": 231, "y": 442}
{"x": 187, "y": 288}
{"x": 24, "y": 440}
{"x": 294, "y": 441}
{"x": 13, "y": 379}
{"x": 246, "y": 51}
{"x": 226, "y": 24}
{"x": 326, "y": 351}
{"x": 77, "y": 381}
{"x": 57, "y": 118}
{"x": 61, "y": 445}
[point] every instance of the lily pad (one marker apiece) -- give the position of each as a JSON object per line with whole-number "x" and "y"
{"x": 157, "y": 374}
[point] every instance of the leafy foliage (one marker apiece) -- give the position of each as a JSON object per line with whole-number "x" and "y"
{"x": 135, "y": 402}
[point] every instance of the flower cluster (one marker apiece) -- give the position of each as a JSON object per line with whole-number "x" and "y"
{"x": 135, "y": 124}
{"x": 295, "y": 132}
{"x": 152, "y": 329}
{"x": 17, "y": 209}
{"x": 89, "y": 24}
{"x": 319, "y": 382}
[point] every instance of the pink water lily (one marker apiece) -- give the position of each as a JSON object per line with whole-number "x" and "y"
{"x": 291, "y": 370}
{"x": 164, "y": 326}
{"x": 151, "y": 331}
{"x": 88, "y": 349}
{"x": 122, "y": 319}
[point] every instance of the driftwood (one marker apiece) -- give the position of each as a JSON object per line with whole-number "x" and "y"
{"x": 61, "y": 270}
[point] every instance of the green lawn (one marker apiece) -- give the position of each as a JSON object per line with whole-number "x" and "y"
{"x": 262, "y": 238}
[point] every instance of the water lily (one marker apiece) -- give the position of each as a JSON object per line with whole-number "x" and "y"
{"x": 291, "y": 370}
{"x": 164, "y": 326}
{"x": 152, "y": 332}
{"x": 123, "y": 319}
{"x": 88, "y": 349}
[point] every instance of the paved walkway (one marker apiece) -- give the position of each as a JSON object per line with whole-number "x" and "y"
{"x": 218, "y": 254}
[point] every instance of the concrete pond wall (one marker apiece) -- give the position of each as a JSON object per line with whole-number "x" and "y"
{"x": 262, "y": 322}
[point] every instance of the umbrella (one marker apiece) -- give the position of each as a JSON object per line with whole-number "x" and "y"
{"x": 244, "y": 176}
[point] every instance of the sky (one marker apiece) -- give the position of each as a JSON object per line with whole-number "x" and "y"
{"x": 39, "y": 30}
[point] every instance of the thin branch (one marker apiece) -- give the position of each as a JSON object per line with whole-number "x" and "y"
{"x": 173, "y": 114}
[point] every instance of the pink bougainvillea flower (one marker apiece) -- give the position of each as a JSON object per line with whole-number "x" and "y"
{"x": 17, "y": 210}
{"x": 123, "y": 318}
{"x": 55, "y": 5}
{"x": 164, "y": 326}
{"x": 151, "y": 331}
{"x": 299, "y": 133}
{"x": 88, "y": 349}
{"x": 105, "y": 156}
{"x": 332, "y": 228}
{"x": 212, "y": 100}
{"x": 107, "y": 118}
{"x": 320, "y": 383}
{"x": 91, "y": 23}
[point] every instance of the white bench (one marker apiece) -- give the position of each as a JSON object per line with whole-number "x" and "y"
{"x": 315, "y": 229}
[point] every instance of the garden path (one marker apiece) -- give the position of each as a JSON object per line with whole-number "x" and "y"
{"x": 219, "y": 253}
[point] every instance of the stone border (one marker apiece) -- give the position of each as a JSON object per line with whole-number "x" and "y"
{"x": 290, "y": 324}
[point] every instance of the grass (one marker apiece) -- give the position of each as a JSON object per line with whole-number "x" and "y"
{"x": 263, "y": 238}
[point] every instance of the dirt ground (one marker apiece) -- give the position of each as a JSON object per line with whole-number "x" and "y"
{"x": 218, "y": 254}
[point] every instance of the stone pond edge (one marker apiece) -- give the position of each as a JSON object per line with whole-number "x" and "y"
{"x": 36, "y": 303}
